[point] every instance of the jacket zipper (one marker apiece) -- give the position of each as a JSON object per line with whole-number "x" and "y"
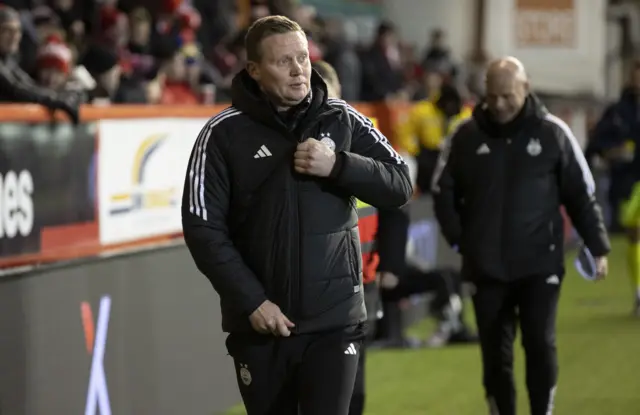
{"x": 505, "y": 192}
{"x": 295, "y": 285}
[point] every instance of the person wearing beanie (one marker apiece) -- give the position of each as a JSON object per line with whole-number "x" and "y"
{"x": 53, "y": 63}
{"x": 15, "y": 84}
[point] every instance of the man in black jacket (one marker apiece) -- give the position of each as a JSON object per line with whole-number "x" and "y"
{"x": 502, "y": 178}
{"x": 269, "y": 217}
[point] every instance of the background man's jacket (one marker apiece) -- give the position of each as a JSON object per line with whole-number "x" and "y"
{"x": 498, "y": 191}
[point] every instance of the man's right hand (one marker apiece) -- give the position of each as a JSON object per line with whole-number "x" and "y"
{"x": 268, "y": 318}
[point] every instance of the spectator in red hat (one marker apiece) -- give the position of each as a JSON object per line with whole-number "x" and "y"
{"x": 54, "y": 62}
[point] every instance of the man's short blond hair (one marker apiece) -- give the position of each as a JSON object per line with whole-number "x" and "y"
{"x": 262, "y": 29}
{"x": 330, "y": 76}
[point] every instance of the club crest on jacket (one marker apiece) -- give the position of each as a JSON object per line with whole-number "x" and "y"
{"x": 534, "y": 148}
{"x": 245, "y": 375}
{"x": 326, "y": 139}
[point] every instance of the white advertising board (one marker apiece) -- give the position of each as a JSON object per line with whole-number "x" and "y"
{"x": 142, "y": 166}
{"x": 562, "y": 43}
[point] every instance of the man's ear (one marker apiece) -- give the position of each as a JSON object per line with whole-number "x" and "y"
{"x": 253, "y": 70}
{"x": 526, "y": 86}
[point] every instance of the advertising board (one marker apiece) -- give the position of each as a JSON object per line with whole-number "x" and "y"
{"x": 141, "y": 176}
{"x": 46, "y": 186}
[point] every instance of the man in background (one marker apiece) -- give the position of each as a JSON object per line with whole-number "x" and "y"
{"x": 371, "y": 293}
{"x": 340, "y": 53}
{"x": 382, "y": 68}
{"x": 498, "y": 188}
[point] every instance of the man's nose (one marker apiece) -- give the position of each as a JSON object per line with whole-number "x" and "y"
{"x": 500, "y": 104}
{"x": 296, "y": 69}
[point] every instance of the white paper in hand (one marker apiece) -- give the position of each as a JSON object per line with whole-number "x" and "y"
{"x": 585, "y": 264}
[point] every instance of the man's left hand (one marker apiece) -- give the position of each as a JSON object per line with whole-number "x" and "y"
{"x": 314, "y": 158}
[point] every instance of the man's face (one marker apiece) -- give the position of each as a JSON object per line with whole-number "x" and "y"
{"x": 284, "y": 70}
{"x": 10, "y": 35}
{"x": 506, "y": 95}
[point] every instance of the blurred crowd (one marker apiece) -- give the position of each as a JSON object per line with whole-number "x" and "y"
{"x": 174, "y": 52}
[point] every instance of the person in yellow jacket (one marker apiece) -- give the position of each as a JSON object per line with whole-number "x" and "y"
{"x": 426, "y": 127}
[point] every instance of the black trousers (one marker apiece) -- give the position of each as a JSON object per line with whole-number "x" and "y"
{"x": 499, "y": 307}
{"x": 306, "y": 374}
{"x": 358, "y": 399}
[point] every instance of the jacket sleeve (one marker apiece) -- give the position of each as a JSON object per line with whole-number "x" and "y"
{"x": 16, "y": 86}
{"x": 372, "y": 171}
{"x": 443, "y": 189}
{"x": 205, "y": 206}
{"x": 577, "y": 191}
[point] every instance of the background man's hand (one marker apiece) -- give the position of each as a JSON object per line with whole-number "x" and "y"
{"x": 268, "y": 318}
{"x": 314, "y": 158}
{"x": 602, "y": 267}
